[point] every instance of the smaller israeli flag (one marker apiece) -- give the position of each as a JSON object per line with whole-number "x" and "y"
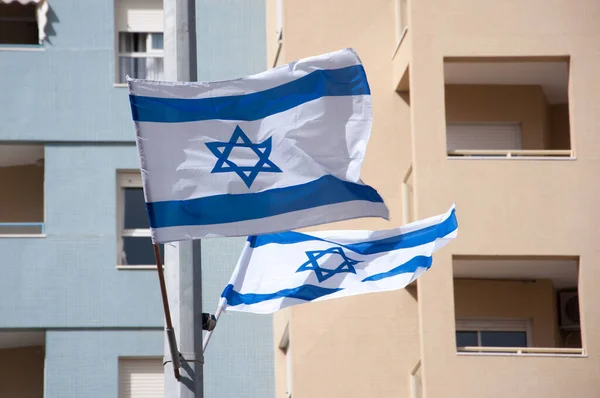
{"x": 280, "y": 270}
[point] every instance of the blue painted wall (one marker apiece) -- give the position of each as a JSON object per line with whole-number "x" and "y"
{"x": 69, "y": 278}
{"x": 65, "y": 92}
{"x": 84, "y": 364}
{"x": 63, "y": 95}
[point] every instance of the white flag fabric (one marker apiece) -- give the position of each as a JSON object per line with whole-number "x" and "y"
{"x": 280, "y": 270}
{"x": 271, "y": 152}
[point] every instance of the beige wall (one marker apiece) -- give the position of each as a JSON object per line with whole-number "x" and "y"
{"x": 366, "y": 346}
{"x": 356, "y": 347}
{"x": 511, "y": 299}
{"x": 361, "y": 346}
{"x": 22, "y": 194}
{"x": 487, "y": 103}
{"x": 507, "y": 207}
{"x": 22, "y": 372}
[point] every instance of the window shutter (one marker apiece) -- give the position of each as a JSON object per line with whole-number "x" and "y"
{"x": 139, "y": 15}
{"x": 141, "y": 378}
{"x": 505, "y": 136}
{"x": 493, "y": 324}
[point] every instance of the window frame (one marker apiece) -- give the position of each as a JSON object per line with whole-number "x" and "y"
{"x": 494, "y": 325}
{"x": 128, "y": 179}
{"x": 133, "y": 16}
{"x": 150, "y": 52}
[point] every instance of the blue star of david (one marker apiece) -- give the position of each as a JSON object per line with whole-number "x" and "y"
{"x": 222, "y": 150}
{"x": 347, "y": 266}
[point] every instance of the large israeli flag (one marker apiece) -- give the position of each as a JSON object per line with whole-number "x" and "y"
{"x": 271, "y": 152}
{"x": 279, "y": 270}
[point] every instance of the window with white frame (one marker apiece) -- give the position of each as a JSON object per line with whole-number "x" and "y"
{"x": 134, "y": 245}
{"x": 141, "y": 377}
{"x": 493, "y": 333}
{"x": 140, "y": 51}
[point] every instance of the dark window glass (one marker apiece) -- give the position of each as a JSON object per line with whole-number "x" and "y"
{"x": 503, "y": 339}
{"x": 466, "y": 339}
{"x": 18, "y": 24}
{"x": 139, "y": 251}
{"x": 157, "y": 41}
{"x": 135, "y": 209}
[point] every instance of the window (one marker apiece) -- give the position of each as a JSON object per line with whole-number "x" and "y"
{"x": 492, "y": 333}
{"x": 134, "y": 240}
{"x": 22, "y": 193}
{"x": 507, "y": 107}
{"x": 141, "y": 377}
{"x": 517, "y": 305}
{"x": 141, "y": 56}
{"x": 18, "y": 23}
{"x": 140, "y": 52}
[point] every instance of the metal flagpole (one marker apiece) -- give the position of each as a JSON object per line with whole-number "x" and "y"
{"x": 182, "y": 259}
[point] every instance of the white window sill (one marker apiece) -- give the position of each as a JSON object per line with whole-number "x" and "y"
{"x": 120, "y": 85}
{"x": 522, "y": 352}
{"x": 521, "y": 154}
{"x": 22, "y": 47}
{"x": 137, "y": 267}
{"x": 24, "y": 236}
{"x": 510, "y": 158}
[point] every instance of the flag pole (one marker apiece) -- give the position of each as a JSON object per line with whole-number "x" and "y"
{"x": 217, "y": 315}
{"x": 169, "y": 323}
{"x": 183, "y": 275}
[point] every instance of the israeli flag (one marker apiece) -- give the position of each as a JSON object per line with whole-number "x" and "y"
{"x": 271, "y": 152}
{"x": 280, "y": 270}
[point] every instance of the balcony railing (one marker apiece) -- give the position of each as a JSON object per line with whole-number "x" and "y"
{"x": 17, "y": 229}
{"x": 513, "y": 153}
{"x": 530, "y": 351}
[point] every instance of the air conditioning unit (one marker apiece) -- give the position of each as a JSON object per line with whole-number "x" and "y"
{"x": 569, "y": 310}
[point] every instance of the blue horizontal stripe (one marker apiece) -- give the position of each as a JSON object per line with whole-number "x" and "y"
{"x": 409, "y": 266}
{"x": 347, "y": 81}
{"x": 312, "y": 292}
{"x": 402, "y": 241}
{"x": 304, "y": 292}
{"x": 229, "y": 208}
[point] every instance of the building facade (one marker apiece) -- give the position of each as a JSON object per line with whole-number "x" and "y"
{"x": 492, "y": 106}
{"x": 80, "y": 309}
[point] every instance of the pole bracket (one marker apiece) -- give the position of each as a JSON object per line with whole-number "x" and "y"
{"x": 208, "y": 321}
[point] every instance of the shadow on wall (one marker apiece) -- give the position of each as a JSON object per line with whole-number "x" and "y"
{"x": 52, "y": 20}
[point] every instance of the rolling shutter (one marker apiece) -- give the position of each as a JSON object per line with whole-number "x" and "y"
{"x": 139, "y": 16}
{"x": 483, "y": 136}
{"x": 141, "y": 378}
